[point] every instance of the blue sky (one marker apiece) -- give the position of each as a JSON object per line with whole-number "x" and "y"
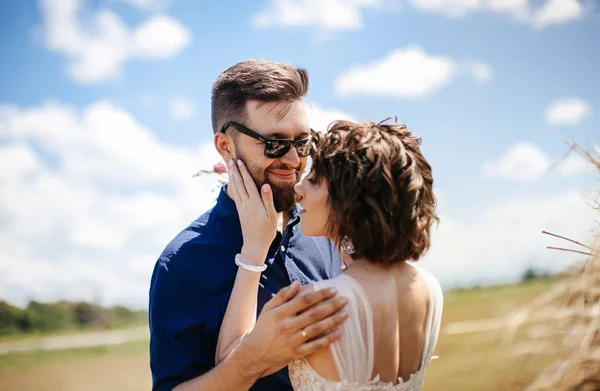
{"x": 104, "y": 117}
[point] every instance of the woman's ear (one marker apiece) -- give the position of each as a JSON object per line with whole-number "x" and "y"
{"x": 225, "y": 146}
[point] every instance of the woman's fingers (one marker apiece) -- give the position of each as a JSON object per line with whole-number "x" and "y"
{"x": 266, "y": 192}
{"x": 231, "y": 183}
{"x": 239, "y": 181}
{"x": 267, "y": 198}
{"x": 249, "y": 184}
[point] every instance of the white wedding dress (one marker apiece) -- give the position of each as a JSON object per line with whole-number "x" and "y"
{"x": 353, "y": 352}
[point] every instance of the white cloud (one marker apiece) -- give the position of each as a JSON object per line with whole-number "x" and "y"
{"x": 522, "y": 162}
{"x": 407, "y": 73}
{"x": 481, "y": 72}
{"x": 499, "y": 241}
{"x": 325, "y": 15}
{"x": 452, "y": 8}
{"x": 85, "y": 194}
{"x": 22, "y": 161}
{"x": 516, "y": 8}
{"x": 320, "y": 119}
{"x": 181, "y": 109}
{"x": 96, "y": 47}
{"x": 146, "y": 5}
{"x": 575, "y": 164}
{"x": 460, "y": 8}
{"x": 339, "y": 15}
{"x": 557, "y": 12}
{"x": 568, "y": 111}
{"x": 527, "y": 11}
{"x": 160, "y": 37}
{"x": 95, "y": 231}
{"x": 104, "y": 142}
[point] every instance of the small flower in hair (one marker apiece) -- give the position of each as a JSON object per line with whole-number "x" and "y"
{"x": 220, "y": 168}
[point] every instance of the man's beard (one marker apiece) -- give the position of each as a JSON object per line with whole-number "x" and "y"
{"x": 284, "y": 196}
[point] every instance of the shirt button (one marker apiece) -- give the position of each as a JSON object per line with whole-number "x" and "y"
{"x": 282, "y": 248}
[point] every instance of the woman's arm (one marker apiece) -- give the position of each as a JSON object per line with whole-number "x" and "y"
{"x": 240, "y": 316}
{"x": 258, "y": 219}
{"x": 303, "y": 325}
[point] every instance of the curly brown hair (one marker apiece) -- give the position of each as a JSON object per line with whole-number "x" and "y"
{"x": 380, "y": 189}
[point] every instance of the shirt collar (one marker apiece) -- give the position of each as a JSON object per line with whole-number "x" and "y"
{"x": 225, "y": 206}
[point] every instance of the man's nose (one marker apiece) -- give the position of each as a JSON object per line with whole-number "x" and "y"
{"x": 291, "y": 158}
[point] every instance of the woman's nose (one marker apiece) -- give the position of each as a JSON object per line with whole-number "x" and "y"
{"x": 298, "y": 188}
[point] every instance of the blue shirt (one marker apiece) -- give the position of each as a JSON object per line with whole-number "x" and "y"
{"x": 192, "y": 282}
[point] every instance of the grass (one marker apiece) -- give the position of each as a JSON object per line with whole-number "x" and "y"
{"x": 123, "y": 367}
{"x": 492, "y": 301}
{"x": 31, "y": 359}
{"x": 483, "y": 361}
{"x": 480, "y": 361}
{"x": 475, "y": 361}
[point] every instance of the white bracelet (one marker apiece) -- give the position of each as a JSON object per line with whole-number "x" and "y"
{"x": 250, "y": 268}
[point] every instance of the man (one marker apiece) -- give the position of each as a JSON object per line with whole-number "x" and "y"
{"x": 258, "y": 116}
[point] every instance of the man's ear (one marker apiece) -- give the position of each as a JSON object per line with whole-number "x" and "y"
{"x": 225, "y": 146}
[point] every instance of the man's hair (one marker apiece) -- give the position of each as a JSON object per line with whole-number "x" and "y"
{"x": 261, "y": 80}
{"x": 380, "y": 189}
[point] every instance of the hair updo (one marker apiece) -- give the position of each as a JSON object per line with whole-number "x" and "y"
{"x": 380, "y": 189}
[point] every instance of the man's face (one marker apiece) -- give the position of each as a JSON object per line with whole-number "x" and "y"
{"x": 281, "y": 173}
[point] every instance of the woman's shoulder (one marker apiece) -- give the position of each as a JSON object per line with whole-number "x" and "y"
{"x": 433, "y": 285}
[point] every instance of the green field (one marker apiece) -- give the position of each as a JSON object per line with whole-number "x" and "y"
{"x": 469, "y": 361}
{"x": 481, "y": 361}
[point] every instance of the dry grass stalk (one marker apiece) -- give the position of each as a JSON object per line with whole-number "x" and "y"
{"x": 577, "y": 334}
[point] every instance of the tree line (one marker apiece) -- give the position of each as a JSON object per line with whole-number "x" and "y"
{"x": 65, "y": 315}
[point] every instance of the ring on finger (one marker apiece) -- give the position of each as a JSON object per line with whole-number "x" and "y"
{"x": 304, "y": 335}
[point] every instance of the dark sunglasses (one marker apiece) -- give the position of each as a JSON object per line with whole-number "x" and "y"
{"x": 274, "y": 148}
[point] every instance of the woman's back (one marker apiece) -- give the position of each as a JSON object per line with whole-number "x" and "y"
{"x": 399, "y": 300}
{"x": 392, "y": 328}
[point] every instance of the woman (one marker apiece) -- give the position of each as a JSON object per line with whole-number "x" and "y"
{"x": 370, "y": 191}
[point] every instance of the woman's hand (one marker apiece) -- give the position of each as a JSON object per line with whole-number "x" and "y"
{"x": 258, "y": 217}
